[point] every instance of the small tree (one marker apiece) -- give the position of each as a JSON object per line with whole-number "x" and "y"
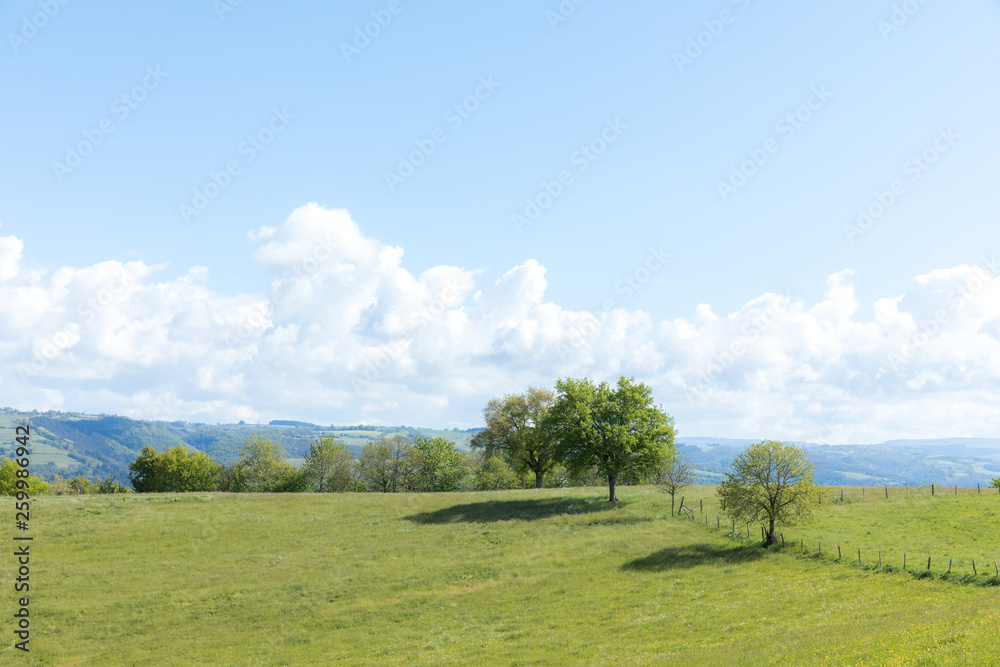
{"x": 328, "y": 465}
{"x": 772, "y": 482}
{"x": 995, "y": 483}
{"x": 9, "y": 478}
{"x": 263, "y": 466}
{"x": 677, "y": 472}
{"x": 387, "y": 465}
{"x": 440, "y": 465}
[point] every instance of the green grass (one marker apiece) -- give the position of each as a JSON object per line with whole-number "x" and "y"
{"x": 537, "y": 577}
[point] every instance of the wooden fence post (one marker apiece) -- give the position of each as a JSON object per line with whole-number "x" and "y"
{"x": 859, "y": 556}
{"x": 841, "y": 495}
{"x": 880, "y": 559}
{"x": 949, "y": 566}
{"x": 838, "y": 552}
{"x": 734, "y": 527}
{"x": 887, "y": 493}
{"x": 974, "y": 573}
{"x": 748, "y": 531}
{"x": 701, "y": 504}
{"x": 904, "y": 562}
{"x": 956, "y": 489}
{"x": 932, "y": 489}
{"x": 820, "y": 548}
{"x": 928, "y": 563}
{"x": 978, "y": 490}
{"x": 862, "y": 493}
{"x": 996, "y": 569}
{"x": 717, "y": 524}
{"x": 907, "y": 490}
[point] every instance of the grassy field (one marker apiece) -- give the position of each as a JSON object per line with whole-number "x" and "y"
{"x": 539, "y": 577}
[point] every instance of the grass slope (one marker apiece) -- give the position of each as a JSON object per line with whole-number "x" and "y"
{"x": 539, "y": 577}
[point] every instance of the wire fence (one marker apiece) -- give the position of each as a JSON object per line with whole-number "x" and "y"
{"x": 967, "y": 570}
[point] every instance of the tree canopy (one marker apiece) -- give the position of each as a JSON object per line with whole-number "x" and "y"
{"x": 516, "y": 430}
{"x": 617, "y": 429}
{"x": 771, "y": 483}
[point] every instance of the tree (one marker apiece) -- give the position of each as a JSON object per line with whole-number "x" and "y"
{"x": 33, "y": 486}
{"x": 494, "y": 474}
{"x": 328, "y": 465}
{"x": 516, "y": 430}
{"x": 387, "y": 465}
{"x": 262, "y": 465}
{"x": 617, "y": 430}
{"x": 440, "y": 466}
{"x": 175, "y": 470}
{"x": 995, "y": 483}
{"x": 772, "y": 482}
{"x": 677, "y": 472}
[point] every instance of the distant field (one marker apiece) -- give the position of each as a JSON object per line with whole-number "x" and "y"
{"x": 541, "y": 577}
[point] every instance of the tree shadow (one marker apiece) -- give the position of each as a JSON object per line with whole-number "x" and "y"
{"x": 695, "y": 555}
{"x": 506, "y": 510}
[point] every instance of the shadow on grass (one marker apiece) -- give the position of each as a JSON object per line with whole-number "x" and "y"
{"x": 694, "y": 555}
{"x": 504, "y": 510}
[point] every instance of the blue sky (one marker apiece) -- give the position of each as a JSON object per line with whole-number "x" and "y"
{"x": 886, "y": 95}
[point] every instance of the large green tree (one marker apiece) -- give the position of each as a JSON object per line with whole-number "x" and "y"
{"x": 516, "y": 430}
{"x": 9, "y": 478}
{"x": 618, "y": 430}
{"x": 327, "y": 466}
{"x": 175, "y": 470}
{"x": 771, "y": 483}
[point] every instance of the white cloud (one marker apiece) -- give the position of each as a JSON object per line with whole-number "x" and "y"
{"x": 347, "y": 334}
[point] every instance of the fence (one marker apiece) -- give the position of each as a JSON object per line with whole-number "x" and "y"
{"x": 963, "y": 569}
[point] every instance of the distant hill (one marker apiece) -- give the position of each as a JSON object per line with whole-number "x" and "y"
{"x": 98, "y": 445}
{"x": 69, "y": 444}
{"x": 948, "y": 461}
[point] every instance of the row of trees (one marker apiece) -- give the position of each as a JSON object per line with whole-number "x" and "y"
{"x": 616, "y": 432}
{"x": 59, "y": 486}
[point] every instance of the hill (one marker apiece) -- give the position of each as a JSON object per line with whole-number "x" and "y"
{"x": 540, "y": 577}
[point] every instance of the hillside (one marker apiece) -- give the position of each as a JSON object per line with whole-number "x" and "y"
{"x": 539, "y": 577}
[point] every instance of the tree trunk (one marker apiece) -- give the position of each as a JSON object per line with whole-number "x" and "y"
{"x": 771, "y": 537}
{"x": 539, "y": 476}
{"x": 612, "y": 495}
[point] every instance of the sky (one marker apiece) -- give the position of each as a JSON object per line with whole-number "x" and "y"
{"x": 783, "y": 218}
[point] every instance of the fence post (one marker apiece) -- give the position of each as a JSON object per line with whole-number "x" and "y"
{"x": 748, "y": 530}
{"x": 838, "y": 552}
{"x": 820, "y": 548}
{"x": 978, "y": 490}
{"x": 956, "y": 489}
{"x": 880, "y": 559}
{"x": 734, "y": 527}
{"x": 996, "y": 569}
{"x": 974, "y": 573}
{"x": 904, "y": 562}
{"x": 949, "y": 566}
{"x": 859, "y": 556}
{"x": 701, "y": 505}
{"x": 717, "y": 524}
{"x": 907, "y": 490}
{"x": 932, "y": 489}
{"x": 887, "y": 493}
{"x": 841, "y": 495}
{"x": 928, "y": 563}
{"x": 782, "y": 539}
{"x": 862, "y": 493}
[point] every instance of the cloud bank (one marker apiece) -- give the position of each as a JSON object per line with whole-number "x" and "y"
{"x": 346, "y": 334}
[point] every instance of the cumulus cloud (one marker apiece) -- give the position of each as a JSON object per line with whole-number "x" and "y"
{"x": 346, "y": 334}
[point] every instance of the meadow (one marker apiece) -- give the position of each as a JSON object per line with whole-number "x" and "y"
{"x": 535, "y": 577}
